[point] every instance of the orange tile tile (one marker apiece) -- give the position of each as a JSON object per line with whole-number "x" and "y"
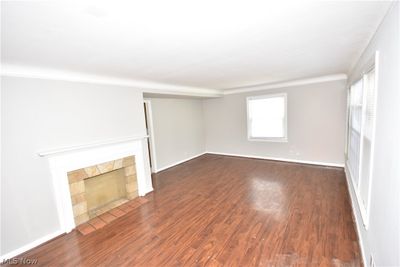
{"x": 117, "y": 212}
{"x": 85, "y": 228}
{"x": 133, "y": 205}
{"x": 107, "y": 217}
{"x": 143, "y": 200}
{"x": 126, "y": 207}
{"x": 97, "y": 223}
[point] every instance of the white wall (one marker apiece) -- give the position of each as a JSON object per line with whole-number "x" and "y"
{"x": 178, "y": 130}
{"x": 316, "y": 124}
{"x": 42, "y": 114}
{"x": 382, "y": 239}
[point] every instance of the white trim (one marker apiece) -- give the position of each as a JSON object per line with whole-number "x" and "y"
{"x": 362, "y": 130}
{"x": 61, "y": 164}
{"x": 179, "y": 162}
{"x": 30, "y": 245}
{"x": 357, "y": 223}
{"x": 260, "y": 87}
{"x": 107, "y": 142}
{"x": 328, "y": 164}
{"x": 360, "y": 205}
{"x": 371, "y": 167}
{"x": 151, "y": 137}
{"x": 268, "y": 139}
{"x": 373, "y": 63}
{"x": 64, "y": 75}
{"x": 21, "y": 71}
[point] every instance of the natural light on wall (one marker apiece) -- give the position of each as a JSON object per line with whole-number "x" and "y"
{"x": 267, "y": 118}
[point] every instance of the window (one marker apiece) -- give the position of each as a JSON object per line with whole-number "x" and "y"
{"x": 368, "y": 123}
{"x": 356, "y": 99}
{"x": 267, "y": 118}
{"x": 361, "y": 132}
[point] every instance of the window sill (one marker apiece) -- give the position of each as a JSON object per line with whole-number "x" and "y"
{"x": 273, "y": 140}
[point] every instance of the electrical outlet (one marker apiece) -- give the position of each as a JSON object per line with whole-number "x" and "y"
{"x": 371, "y": 261}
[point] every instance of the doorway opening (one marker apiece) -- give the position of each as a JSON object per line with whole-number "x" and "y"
{"x": 150, "y": 133}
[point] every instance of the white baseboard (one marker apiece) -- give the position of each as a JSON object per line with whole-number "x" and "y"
{"x": 178, "y": 162}
{"x": 329, "y": 164}
{"x": 357, "y": 222}
{"x": 29, "y": 246}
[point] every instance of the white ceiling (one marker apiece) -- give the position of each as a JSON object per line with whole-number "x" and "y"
{"x": 206, "y": 44}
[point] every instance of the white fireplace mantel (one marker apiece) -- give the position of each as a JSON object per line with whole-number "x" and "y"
{"x": 64, "y": 160}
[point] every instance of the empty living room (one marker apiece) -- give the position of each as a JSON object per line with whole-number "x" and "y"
{"x": 200, "y": 133}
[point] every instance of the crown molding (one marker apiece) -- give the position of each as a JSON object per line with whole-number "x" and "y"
{"x": 20, "y": 71}
{"x": 260, "y": 87}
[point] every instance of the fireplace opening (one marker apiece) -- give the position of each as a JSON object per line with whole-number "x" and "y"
{"x": 105, "y": 191}
{"x": 97, "y": 189}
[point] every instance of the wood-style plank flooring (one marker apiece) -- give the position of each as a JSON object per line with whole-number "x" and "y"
{"x": 224, "y": 211}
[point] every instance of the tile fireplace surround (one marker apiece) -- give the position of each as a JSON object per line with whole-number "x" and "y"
{"x": 131, "y": 152}
{"x": 79, "y": 189}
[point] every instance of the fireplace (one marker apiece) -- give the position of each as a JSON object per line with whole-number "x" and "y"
{"x": 99, "y": 188}
{"x": 121, "y": 166}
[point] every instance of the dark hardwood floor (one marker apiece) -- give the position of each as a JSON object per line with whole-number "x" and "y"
{"x": 224, "y": 211}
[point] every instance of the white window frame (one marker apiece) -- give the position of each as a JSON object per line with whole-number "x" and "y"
{"x": 268, "y": 139}
{"x": 364, "y": 208}
{"x": 356, "y": 172}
